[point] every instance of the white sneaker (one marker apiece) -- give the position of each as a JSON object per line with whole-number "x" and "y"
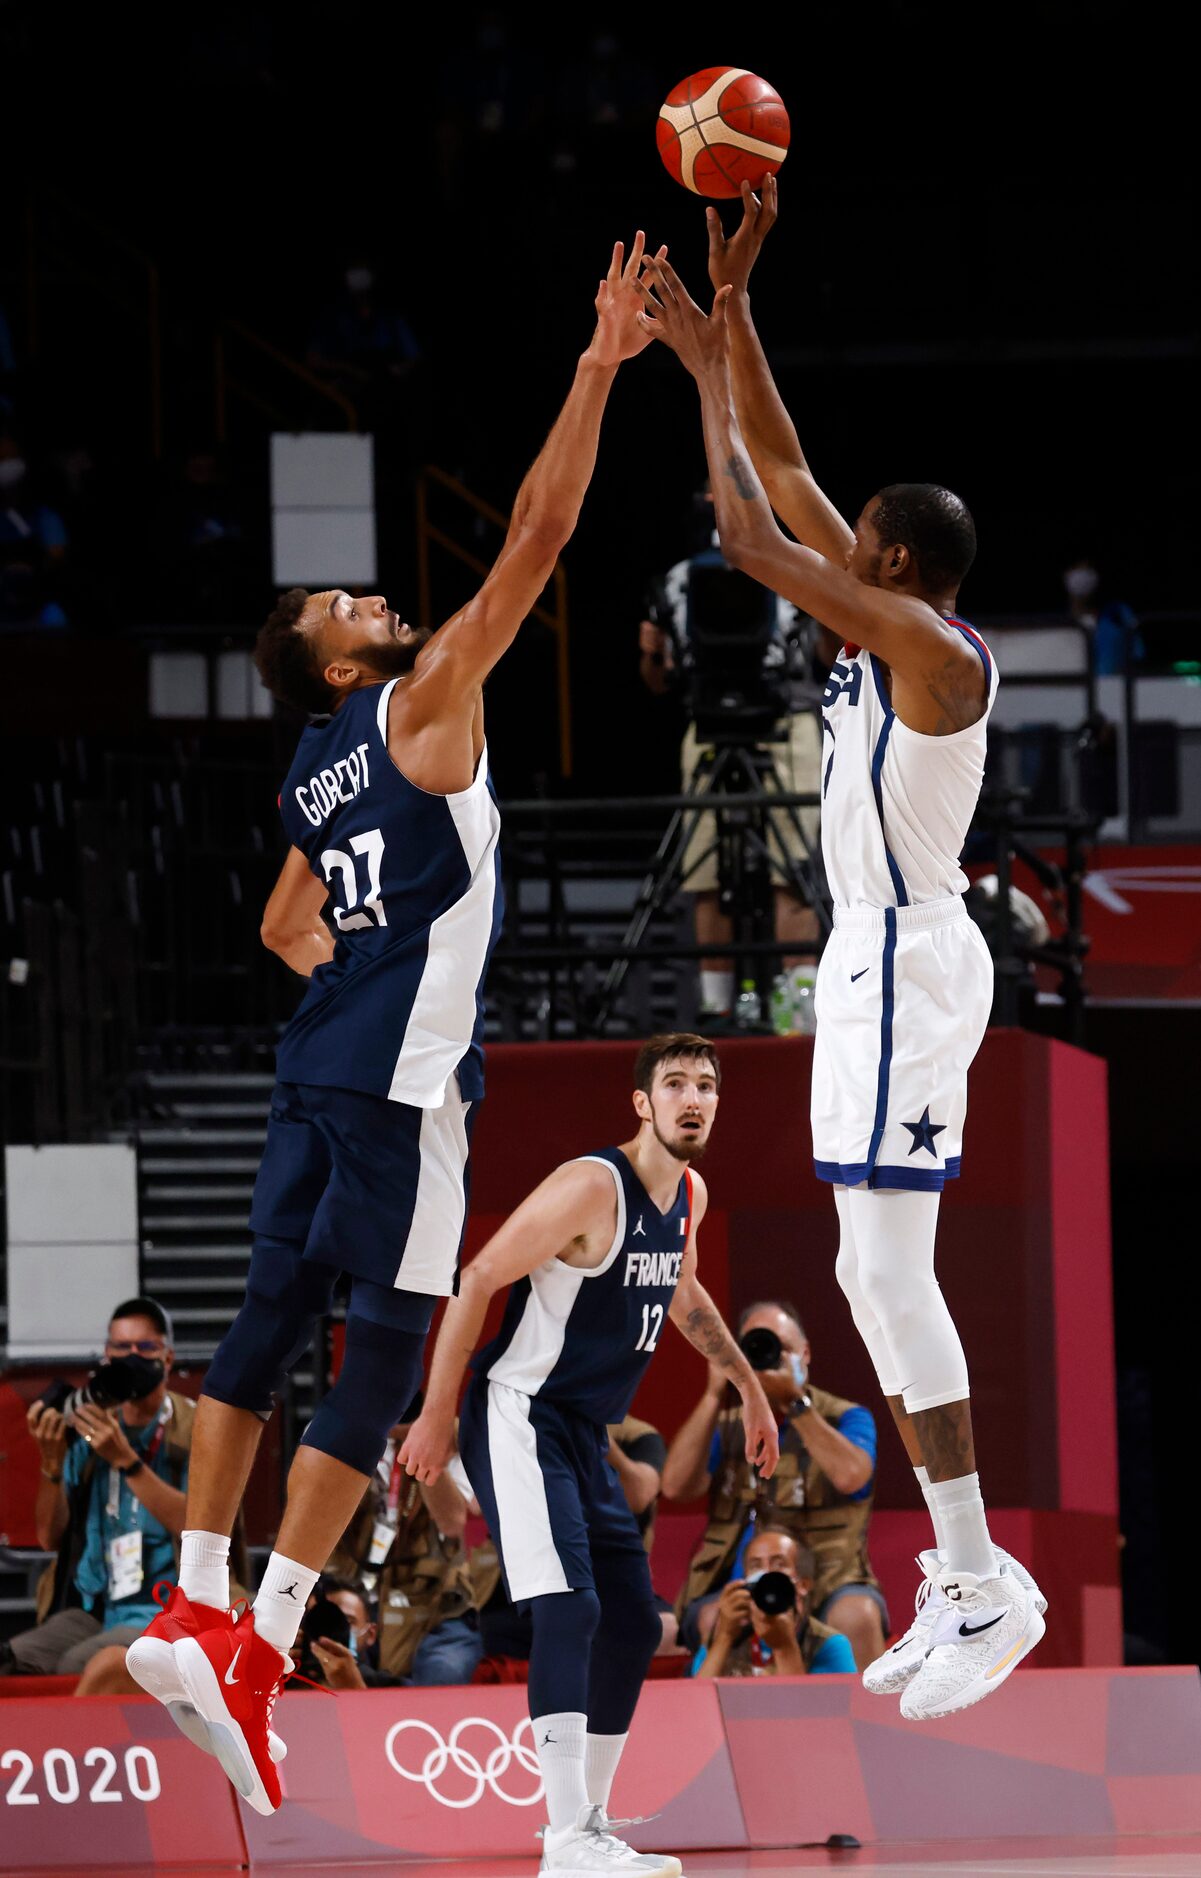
{"x": 985, "y": 1629}
{"x": 588, "y": 1847}
{"x": 900, "y": 1664}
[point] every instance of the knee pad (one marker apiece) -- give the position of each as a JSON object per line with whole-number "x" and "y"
{"x": 380, "y": 1375}
{"x": 285, "y": 1295}
{"x": 565, "y": 1620}
{"x": 564, "y": 1625}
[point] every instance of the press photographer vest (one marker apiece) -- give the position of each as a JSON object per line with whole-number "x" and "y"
{"x": 423, "y": 1581}
{"x": 799, "y": 1498}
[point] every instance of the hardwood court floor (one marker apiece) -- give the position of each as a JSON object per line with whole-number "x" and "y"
{"x": 1169, "y": 1855}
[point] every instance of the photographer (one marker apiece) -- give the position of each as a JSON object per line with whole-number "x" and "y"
{"x": 745, "y": 665}
{"x": 111, "y": 1497}
{"x": 763, "y": 1626}
{"x": 338, "y": 1635}
{"x": 821, "y": 1492}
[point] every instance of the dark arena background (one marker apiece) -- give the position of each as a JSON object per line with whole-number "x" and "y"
{"x": 984, "y": 275}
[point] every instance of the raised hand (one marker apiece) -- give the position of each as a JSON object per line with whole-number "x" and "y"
{"x": 618, "y": 333}
{"x": 669, "y": 313}
{"x": 731, "y": 260}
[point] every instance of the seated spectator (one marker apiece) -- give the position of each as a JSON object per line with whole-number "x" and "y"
{"x": 110, "y": 1502}
{"x": 821, "y": 1491}
{"x": 636, "y": 1455}
{"x": 754, "y": 1636}
{"x": 405, "y": 1547}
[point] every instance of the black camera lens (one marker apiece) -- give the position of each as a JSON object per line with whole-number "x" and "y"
{"x": 774, "y": 1593}
{"x": 762, "y": 1349}
{"x": 121, "y": 1379}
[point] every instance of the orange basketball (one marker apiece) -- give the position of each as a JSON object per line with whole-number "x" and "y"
{"x": 721, "y": 127}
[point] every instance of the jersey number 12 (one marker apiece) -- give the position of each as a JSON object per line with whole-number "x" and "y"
{"x": 652, "y": 1324}
{"x": 336, "y": 861}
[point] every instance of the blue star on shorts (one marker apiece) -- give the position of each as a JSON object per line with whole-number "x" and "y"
{"x": 923, "y": 1133}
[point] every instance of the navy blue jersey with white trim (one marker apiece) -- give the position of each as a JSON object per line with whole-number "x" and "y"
{"x": 896, "y": 803}
{"x": 414, "y": 882}
{"x": 583, "y": 1338}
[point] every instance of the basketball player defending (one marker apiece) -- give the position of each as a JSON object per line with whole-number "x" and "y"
{"x": 392, "y": 820}
{"x": 597, "y": 1257}
{"x": 905, "y": 985}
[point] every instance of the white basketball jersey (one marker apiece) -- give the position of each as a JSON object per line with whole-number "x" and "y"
{"x": 896, "y": 804}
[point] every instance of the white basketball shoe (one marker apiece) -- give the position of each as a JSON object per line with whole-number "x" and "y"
{"x": 899, "y": 1664}
{"x": 589, "y": 1846}
{"x": 986, "y": 1627}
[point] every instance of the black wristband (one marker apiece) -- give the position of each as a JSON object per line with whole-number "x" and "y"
{"x": 802, "y": 1405}
{"x": 135, "y": 1467}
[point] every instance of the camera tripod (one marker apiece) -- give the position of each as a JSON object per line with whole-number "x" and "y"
{"x": 735, "y": 781}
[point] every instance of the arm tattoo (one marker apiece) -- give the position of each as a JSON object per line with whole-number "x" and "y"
{"x": 706, "y": 1333}
{"x": 740, "y": 476}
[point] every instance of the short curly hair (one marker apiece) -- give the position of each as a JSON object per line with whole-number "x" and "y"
{"x": 284, "y": 656}
{"x": 934, "y": 524}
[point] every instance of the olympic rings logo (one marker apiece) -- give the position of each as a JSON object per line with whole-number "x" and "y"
{"x": 489, "y": 1773}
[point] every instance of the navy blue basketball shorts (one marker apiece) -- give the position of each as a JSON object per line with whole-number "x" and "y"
{"x": 371, "y": 1187}
{"x": 554, "y": 1506}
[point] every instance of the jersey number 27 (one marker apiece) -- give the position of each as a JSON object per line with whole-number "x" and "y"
{"x": 370, "y": 847}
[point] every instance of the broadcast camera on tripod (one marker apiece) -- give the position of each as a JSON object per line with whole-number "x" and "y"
{"x": 739, "y": 842}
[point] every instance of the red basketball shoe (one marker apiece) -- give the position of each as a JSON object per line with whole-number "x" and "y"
{"x": 154, "y": 1666}
{"x": 232, "y": 1677}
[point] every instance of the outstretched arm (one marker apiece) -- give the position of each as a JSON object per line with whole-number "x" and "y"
{"x": 574, "y": 1204}
{"x": 936, "y": 674}
{"x": 769, "y": 431}
{"x": 462, "y": 653}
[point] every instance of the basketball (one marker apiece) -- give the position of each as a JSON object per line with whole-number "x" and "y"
{"x": 720, "y": 128}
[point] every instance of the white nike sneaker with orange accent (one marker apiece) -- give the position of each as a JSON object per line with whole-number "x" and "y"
{"x": 985, "y": 1629}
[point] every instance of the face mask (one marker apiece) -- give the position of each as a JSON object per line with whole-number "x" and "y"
{"x": 12, "y": 468}
{"x": 799, "y": 1372}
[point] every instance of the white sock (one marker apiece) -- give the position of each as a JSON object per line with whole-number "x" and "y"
{"x": 282, "y": 1596}
{"x": 204, "y": 1568}
{"x": 561, "y": 1741}
{"x": 600, "y": 1766}
{"x": 961, "y": 1510}
{"x": 717, "y": 990}
{"x": 923, "y": 1481}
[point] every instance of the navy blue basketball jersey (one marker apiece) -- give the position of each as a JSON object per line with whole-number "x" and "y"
{"x": 414, "y": 881}
{"x": 583, "y": 1338}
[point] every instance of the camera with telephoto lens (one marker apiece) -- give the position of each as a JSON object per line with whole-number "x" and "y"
{"x": 762, "y": 1349}
{"x": 773, "y": 1592}
{"x": 120, "y": 1379}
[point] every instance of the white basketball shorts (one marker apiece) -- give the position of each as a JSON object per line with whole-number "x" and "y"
{"x": 903, "y": 997}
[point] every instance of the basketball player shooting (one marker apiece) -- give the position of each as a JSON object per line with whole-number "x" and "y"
{"x": 596, "y": 1257}
{"x": 905, "y": 984}
{"x": 393, "y": 825}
